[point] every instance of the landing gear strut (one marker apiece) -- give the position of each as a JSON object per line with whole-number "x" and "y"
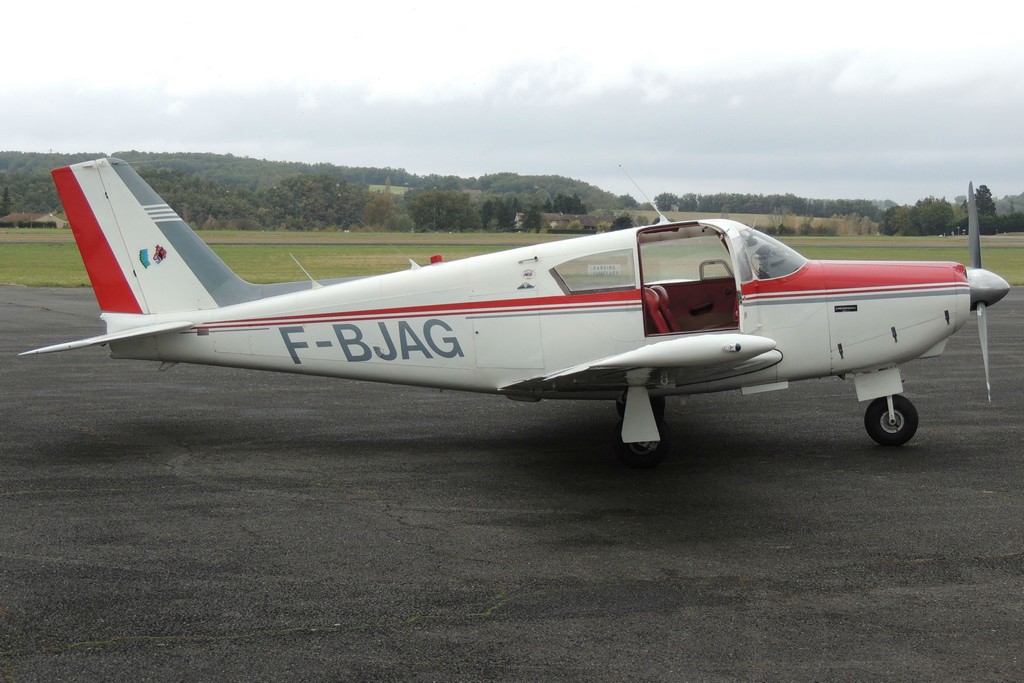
{"x": 642, "y": 439}
{"x": 657, "y": 405}
{"x": 891, "y": 425}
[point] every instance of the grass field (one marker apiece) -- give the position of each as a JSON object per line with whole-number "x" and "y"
{"x": 50, "y": 257}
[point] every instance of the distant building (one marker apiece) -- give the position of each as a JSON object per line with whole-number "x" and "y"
{"x": 25, "y": 220}
{"x": 562, "y": 221}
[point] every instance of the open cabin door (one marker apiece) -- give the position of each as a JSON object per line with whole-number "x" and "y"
{"x": 687, "y": 279}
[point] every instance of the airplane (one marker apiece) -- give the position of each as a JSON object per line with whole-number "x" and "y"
{"x": 632, "y": 316}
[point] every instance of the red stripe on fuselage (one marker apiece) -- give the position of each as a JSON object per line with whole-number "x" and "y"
{"x": 553, "y": 304}
{"x": 112, "y": 290}
{"x": 835, "y": 278}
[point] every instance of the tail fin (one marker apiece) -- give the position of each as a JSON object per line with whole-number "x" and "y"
{"x": 140, "y": 255}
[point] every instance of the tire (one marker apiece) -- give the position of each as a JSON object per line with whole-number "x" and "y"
{"x": 646, "y": 454}
{"x": 876, "y": 421}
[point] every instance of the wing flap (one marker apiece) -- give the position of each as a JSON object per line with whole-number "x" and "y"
{"x": 133, "y": 333}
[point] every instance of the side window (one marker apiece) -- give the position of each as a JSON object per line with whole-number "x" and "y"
{"x": 608, "y": 270}
{"x": 683, "y": 256}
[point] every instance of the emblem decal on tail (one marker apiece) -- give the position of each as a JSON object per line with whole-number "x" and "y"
{"x": 159, "y": 254}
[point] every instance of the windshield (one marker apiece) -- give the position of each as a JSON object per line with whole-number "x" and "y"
{"x": 768, "y": 257}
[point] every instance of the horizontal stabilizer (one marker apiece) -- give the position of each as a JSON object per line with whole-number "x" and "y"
{"x": 133, "y": 333}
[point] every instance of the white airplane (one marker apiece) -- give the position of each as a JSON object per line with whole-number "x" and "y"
{"x": 632, "y": 316}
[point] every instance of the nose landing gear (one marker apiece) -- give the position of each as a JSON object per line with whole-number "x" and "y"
{"x": 891, "y": 420}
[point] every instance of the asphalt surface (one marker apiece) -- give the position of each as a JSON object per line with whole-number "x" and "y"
{"x": 223, "y": 525}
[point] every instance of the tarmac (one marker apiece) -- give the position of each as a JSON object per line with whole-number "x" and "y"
{"x": 210, "y": 524}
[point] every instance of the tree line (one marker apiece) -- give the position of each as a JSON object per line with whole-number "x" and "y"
{"x": 221, "y": 191}
{"x": 214, "y": 192}
{"x": 723, "y": 203}
{"x": 312, "y": 201}
{"x": 933, "y": 216}
{"x": 320, "y": 202}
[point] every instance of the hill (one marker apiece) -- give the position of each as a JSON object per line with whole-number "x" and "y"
{"x": 25, "y": 169}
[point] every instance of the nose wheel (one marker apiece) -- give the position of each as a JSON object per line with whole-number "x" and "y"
{"x": 891, "y": 425}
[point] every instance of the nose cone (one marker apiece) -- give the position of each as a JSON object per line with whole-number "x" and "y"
{"x": 986, "y": 287}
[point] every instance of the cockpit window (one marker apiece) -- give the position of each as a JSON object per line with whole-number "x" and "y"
{"x": 768, "y": 257}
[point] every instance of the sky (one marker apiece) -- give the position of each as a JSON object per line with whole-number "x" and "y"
{"x": 868, "y": 100}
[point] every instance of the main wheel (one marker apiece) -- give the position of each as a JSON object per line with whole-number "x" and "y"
{"x": 644, "y": 454}
{"x": 899, "y": 429}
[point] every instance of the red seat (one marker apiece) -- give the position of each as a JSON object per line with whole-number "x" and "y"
{"x": 659, "y": 314}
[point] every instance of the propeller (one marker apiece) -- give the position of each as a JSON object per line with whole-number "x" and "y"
{"x": 987, "y": 288}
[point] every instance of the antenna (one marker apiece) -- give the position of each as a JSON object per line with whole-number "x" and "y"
{"x": 662, "y": 218}
{"x": 316, "y": 285}
{"x": 412, "y": 264}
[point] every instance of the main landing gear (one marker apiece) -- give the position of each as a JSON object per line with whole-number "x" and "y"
{"x": 644, "y": 454}
{"x": 891, "y": 420}
{"x": 645, "y": 417}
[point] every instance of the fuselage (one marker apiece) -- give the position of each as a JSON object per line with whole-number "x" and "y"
{"x": 487, "y": 322}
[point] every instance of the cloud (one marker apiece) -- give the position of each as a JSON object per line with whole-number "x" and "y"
{"x": 781, "y": 134}
{"x": 758, "y": 97}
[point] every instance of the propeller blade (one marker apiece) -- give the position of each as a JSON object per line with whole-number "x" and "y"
{"x": 973, "y": 228}
{"x": 983, "y": 334}
{"x": 985, "y": 286}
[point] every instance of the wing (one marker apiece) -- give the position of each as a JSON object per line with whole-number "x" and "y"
{"x": 672, "y": 362}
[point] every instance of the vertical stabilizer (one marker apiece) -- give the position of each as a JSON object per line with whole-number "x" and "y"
{"x": 140, "y": 255}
